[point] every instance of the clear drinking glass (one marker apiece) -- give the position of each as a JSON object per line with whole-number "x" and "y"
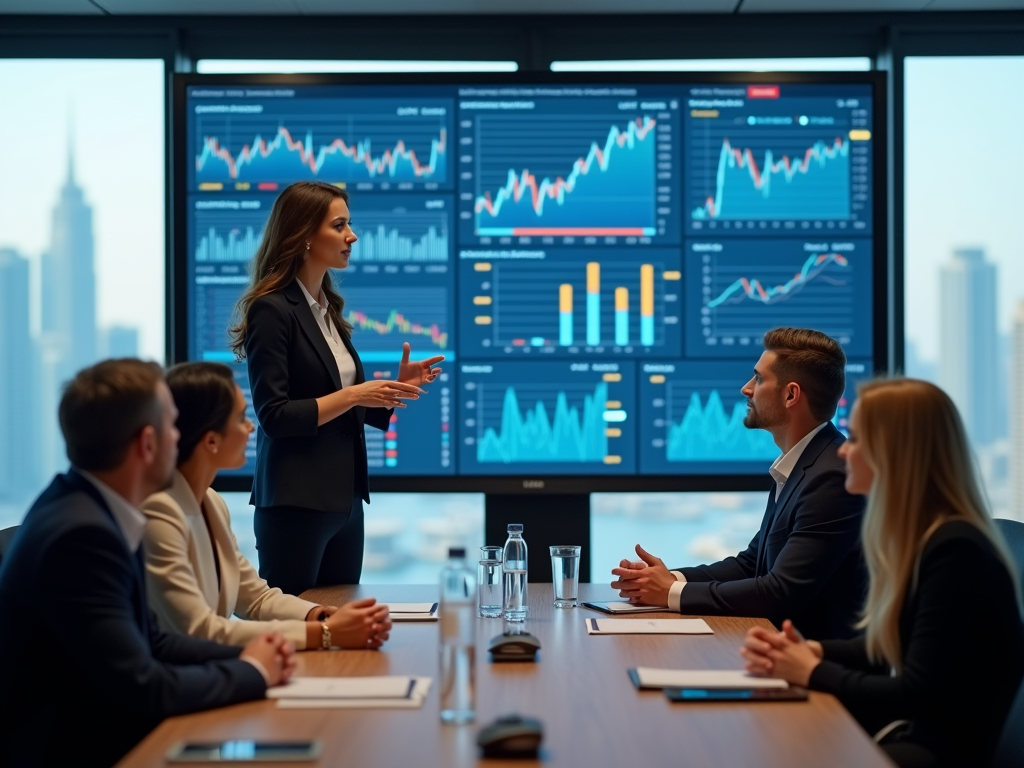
{"x": 489, "y": 591}
{"x": 565, "y": 575}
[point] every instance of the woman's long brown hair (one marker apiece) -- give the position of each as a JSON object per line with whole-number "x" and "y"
{"x": 294, "y": 220}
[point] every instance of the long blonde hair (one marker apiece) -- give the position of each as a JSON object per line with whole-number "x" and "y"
{"x": 914, "y": 441}
{"x": 296, "y": 216}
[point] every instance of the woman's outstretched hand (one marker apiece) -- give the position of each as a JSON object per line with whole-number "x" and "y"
{"x": 419, "y": 373}
{"x": 383, "y": 393}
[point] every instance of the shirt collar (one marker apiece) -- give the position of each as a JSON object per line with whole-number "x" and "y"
{"x": 783, "y": 466}
{"x": 129, "y": 519}
{"x": 319, "y": 304}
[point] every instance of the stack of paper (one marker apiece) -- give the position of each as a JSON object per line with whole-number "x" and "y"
{"x": 649, "y": 677}
{"x": 412, "y": 611}
{"x": 648, "y": 627}
{"x": 396, "y": 691}
{"x": 624, "y": 606}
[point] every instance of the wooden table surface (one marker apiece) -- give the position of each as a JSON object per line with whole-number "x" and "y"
{"x": 579, "y": 689}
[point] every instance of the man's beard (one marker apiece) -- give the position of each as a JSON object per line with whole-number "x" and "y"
{"x": 773, "y": 416}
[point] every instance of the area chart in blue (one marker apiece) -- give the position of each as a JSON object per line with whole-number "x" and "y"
{"x": 546, "y": 413}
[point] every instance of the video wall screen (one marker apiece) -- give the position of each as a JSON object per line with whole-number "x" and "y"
{"x": 597, "y": 262}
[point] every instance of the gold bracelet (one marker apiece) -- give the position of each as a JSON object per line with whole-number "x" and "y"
{"x": 325, "y": 636}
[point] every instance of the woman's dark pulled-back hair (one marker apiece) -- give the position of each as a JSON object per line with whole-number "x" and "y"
{"x": 205, "y": 396}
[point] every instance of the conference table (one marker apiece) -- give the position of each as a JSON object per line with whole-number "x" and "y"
{"x": 579, "y": 689}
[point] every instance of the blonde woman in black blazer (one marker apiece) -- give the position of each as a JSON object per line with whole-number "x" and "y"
{"x": 310, "y": 394}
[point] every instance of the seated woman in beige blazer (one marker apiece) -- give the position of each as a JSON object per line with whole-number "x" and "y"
{"x": 196, "y": 577}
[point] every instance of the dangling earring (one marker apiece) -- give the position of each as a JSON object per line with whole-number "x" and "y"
{"x": 306, "y": 254}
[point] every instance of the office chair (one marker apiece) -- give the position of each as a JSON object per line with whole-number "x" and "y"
{"x": 1013, "y": 533}
{"x": 1010, "y": 749}
{"x": 5, "y": 539}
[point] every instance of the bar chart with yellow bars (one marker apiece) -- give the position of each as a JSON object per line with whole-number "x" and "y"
{"x": 566, "y": 303}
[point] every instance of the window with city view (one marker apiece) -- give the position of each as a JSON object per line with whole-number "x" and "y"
{"x": 965, "y": 253}
{"x": 81, "y": 243}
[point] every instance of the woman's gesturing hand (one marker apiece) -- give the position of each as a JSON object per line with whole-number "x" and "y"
{"x": 383, "y": 393}
{"x": 422, "y": 372}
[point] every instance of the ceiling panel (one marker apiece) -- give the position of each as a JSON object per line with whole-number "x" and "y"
{"x": 77, "y": 7}
{"x": 516, "y": 6}
{"x": 975, "y": 5}
{"x": 199, "y": 7}
{"x": 819, "y": 6}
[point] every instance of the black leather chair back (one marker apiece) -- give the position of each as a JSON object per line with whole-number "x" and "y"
{"x": 5, "y": 540}
{"x": 1013, "y": 533}
{"x": 1010, "y": 750}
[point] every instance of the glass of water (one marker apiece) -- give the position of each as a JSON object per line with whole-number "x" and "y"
{"x": 565, "y": 575}
{"x": 489, "y": 590}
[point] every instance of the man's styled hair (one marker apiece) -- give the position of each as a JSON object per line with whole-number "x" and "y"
{"x": 814, "y": 361}
{"x": 104, "y": 408}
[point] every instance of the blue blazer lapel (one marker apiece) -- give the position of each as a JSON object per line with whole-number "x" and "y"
{"x": 810, "y": 455}
{"x": 312, "y": 331}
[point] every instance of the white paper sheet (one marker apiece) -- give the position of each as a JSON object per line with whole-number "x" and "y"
{"x": 704, "y": 678}
{"x": 412, "y": 611}
{"x": 648, "y": 627}
{"x": 419, "y": 694}
{"x": 389, "y": 687}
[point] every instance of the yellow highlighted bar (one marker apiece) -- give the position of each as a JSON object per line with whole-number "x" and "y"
{"x": 672, "y": 274}
{"x": 593, "y": 277}
{"x": 612, "y": 377}
{"x": 613, "y": 405}
{"x": 612, "y": 459}
{"x": 482, "y": 266}
{"x": 658, "y": 378}
{"x": 211, "y": 186}
{"x": 242, "y": 186}
{"x": 621, "y": 299}
{"x": 340, "y": 184}
{"x": 565, "y": 297}
{"x": 482, "y": 301}
{"x": 860, "y": 134}
{"x": 613, "y": 432}
{"x": 647, "y": 290}
{"x": 482, "y": 319}
{"x": 703, "y": 113}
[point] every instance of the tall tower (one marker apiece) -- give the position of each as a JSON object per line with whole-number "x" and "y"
{"x": 68, "y": 295}
{"x": 968, "y": 361}
{"x": 68, "y": 311}
{"x": 1017, "y": 413}
{"x": 18, "y": 427}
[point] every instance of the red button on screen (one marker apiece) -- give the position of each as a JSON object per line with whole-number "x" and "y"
{"x": 762, "y": 91}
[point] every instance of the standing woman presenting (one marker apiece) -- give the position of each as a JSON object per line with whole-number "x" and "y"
{"x": 310, "y": 394}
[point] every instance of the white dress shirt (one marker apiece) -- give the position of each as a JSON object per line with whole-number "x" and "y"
{"x": 129, "y": 519}
{"x": 342, "y": 357}
{"x": 780, "y": 471}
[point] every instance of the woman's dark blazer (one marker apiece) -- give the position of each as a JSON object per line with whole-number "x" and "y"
{"x": 290, "y": 365}
{"x": 963, "y": 653}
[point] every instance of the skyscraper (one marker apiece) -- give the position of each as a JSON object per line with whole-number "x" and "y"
{"x": 67, "y": 311}
{"x": 68, "y": 293}
{"x": 968, "y": 362}
{"x": 18, "y": 473}
{"x": 1016, "y": 383}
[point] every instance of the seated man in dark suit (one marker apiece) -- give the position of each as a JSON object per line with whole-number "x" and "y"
{"x": 806, "y": 560}
{"x": 87, "y": 674}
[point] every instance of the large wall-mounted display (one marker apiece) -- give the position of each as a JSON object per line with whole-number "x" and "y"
{"x": 597, "y": 260}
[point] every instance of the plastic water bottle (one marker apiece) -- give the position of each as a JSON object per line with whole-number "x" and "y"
{"x": 458, "y": 639}
{"x": 513, "y": 571}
